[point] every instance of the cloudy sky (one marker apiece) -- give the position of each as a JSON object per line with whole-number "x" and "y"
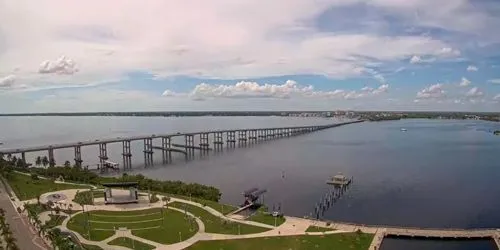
{"x": 63, "y": 56}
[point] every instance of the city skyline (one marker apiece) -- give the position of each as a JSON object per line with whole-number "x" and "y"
{"x": 90, "y": 56}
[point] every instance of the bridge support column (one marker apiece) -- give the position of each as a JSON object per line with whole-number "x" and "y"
{"x": 78, "y": 156}
{"x": 242, "y": 137}
{"x": 127, "y": 155}
{"x": 189, "y": 144}
{"x": 204, "y": 145}
{"x": 103, "y": 156}
{"x": 231, "y": 138}
{"x": 218, "y": 140}
{"x": 23, "y": 158}
{"x": 52, "y": 160}
{"x": 148, "y": 152}
{"x": 253, "y": 135}
{"x": 166, "y": 143}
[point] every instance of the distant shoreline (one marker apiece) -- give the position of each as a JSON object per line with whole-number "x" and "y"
{"x": 305, "y": 113}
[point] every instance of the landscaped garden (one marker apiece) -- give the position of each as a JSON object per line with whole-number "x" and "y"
{"x": 267, "y": 218}
{"x": 343, "y": 241}
{"x": 214, "y": 224}
{"x": 157, "y": 224}
{"x": 130, "y": 243}
{"x": 318, "y": 229}
{"x": 27, "y": 187}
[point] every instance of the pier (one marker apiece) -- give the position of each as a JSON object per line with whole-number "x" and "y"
{"x": 193, "y": 141}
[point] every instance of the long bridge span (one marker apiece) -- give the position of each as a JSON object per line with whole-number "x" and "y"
{"x": 216, "y": 138}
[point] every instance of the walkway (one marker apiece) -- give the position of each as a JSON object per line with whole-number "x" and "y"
{"x": 292, "y": 226}
{"x": 18, "y": 223}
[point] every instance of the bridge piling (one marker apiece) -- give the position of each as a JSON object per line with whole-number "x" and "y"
{"x": 148, "y": 152}
{"x": 127, "y": 155}
{"x": 103, "y": 155}
{"x": 204, "y": 145}
{"x": 52, "y": 161}
{"x": 231, "y": 139}
{"x": 218, "y": 141}
{"x": 78, "y": 156}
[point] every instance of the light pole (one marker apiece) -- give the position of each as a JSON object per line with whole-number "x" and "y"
{"x": 180, "y": 237}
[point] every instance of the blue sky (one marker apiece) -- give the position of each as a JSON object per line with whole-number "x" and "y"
{"x": 242, "y": 55}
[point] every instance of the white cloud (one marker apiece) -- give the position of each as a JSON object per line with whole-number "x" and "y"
{"x": 169, "y": 93}
{"x": 432, "y": 92}
{"x": 474, "y": 93}
{"x": 173, "y": 38}
{"x": 472, "y": 68}
{"x": 494, "y": 81}
{"x": 415, "y": 59}
{"x": 62, "y": 66}
{"x": 464, "y": 82}
{"x": 286, "y": 90}
{"x": 7, "y": 82}
{"x": 448, "y": 52}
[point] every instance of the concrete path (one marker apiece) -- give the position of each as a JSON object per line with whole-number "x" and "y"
{"x": 26, "y": 236}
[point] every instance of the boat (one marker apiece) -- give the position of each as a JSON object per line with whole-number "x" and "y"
{"x": 339, "y": 180}
{"x": 403, "y": 130}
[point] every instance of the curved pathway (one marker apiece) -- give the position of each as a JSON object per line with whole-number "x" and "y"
{"x": 291, "y": 226}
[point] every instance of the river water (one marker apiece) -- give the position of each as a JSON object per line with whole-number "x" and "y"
{"x": 438, "y": 173}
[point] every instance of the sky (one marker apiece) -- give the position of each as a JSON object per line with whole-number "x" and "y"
{"x": 186, "y": 55}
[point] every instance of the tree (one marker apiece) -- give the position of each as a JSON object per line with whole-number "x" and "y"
{"x": 9, "y": 157}
{"x": 67, "y": 164}
{"x": 20, "y": 163}
{"x": 45, "y": 161}
{"x": 13, "y": 160}
{"x": 38, "y": 161}
{"x": 52, "y": 162}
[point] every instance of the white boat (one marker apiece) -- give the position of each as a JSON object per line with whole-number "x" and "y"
{"x": 403, "y": 130}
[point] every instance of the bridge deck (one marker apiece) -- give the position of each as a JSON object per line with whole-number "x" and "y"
{"x": 136, "y": 138}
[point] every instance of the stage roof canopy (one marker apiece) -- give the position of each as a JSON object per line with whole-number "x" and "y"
{"x": 121, "y": 184}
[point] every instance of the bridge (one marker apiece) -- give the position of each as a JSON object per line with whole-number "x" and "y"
{"x": 382, "y": 231}
{"x": 230, "y": 137}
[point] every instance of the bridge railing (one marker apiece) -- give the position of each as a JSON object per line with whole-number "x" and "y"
{"x": 136, "y": 138}
{"x": 395, "y": 227}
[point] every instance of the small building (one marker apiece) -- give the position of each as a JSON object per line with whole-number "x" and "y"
{"x": 339, "y": 180}
{"x": 122, "y": 197}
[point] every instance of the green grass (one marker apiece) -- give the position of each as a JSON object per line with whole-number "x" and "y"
{"x": 318, "y": 229}
{"x": 85, "y": 197}
{"x": 222, "y": 208}
{"x": 130, "y": 243}
{"x": 215, "y": 224}
{"x": 148, "y": 224}
{"x": 26, "y": 188}
{"x": 267, "y": 218}
{"x": 91, "y": 247}
{"x": 55, "y": 220}
{"x": 347, "y": 241}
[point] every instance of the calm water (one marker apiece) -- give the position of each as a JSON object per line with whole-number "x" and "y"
{"x": 437, "y": 174}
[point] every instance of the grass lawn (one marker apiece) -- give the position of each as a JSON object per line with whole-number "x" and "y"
{"x": 55, "y": 220}
{"x": 130, "y": 243}
{"x": 91, "y": 247}
{"x": 215, "y": 224}
{"x": 222, "y": 208}
{"x": 344, "y": 241}
{"x": 148, "y": 224}
{"x": 266, "y": 218}
{"x": 26, "y": 188}
{"x": 318, "y": 229}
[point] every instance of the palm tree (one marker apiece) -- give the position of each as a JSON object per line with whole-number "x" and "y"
{"x": 10, "y": 242}
{"x": 38, "y": 161}
{"x": 45, "y": 161}
{"x": 49, "y": 205}
{"x": 67, "y": 164}
{"x": 52, "y": 162}
{"x": 13, "y": 160}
